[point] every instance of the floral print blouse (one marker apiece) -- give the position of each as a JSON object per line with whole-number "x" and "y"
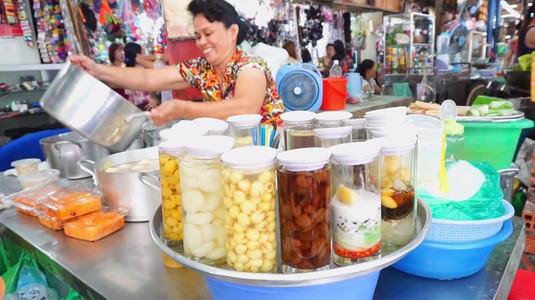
{"x": 201, "y": 75}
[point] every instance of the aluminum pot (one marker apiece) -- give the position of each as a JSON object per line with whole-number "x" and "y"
{"x": 64, "y": 151}
{"x": 88, "y": 106}
{"x": 125, "y": 190}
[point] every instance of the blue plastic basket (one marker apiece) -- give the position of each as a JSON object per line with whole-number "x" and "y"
{"x": 362, "y": 287}
{"x": 451, "y": 260}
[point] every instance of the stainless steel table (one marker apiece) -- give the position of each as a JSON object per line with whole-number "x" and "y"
{"x": 127, "y": 265}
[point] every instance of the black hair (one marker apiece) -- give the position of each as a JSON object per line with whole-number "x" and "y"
{"x": 111, "y": 51}
{"x": 329, "y": 45}
{"x": 340, "y": 51}
{"x": 364, "y": 66}
{"x": 131, "y": 50}
{"x": 530, "y": 14}
{"x": 221, "y": 11}
{"x": 305, "y": 55}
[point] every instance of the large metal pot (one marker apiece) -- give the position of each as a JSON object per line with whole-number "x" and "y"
{"x": 125, "y": 190}
{"x": 91, "y": 108}
{"x": 64, "y": 151}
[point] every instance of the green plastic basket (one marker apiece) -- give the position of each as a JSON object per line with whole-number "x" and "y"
{"x": 493, "y": 142}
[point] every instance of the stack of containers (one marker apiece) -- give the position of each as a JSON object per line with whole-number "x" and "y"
{"x": 298, "y": 129}
{"x": 250, "y": 219}
{"x": 202, "y": 198}
{"x": 388, "y": 121}
{"x": 359, "y": 129}
{"x": 245, "y": 129}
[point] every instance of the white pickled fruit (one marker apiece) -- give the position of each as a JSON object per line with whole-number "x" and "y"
{"x": 202, "y": 250}
{"x": 207, "y": 232}
{"x": 192, "y": 201}
{"x": 216, "y": 253}
{"x": 199, "y": 218}
{"x": 210, "y": 181}
{"x": 192, "y": 236}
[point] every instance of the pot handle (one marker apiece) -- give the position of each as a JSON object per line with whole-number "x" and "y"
{"x": 130, "y": 117}
{"x": 149, "y": 180}
{"x": 88, "y": 170}
{"x": 58, "y": 145}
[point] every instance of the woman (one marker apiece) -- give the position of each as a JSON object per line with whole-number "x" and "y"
{"x": 326, "y": 60}
{"x": 526, "y": 35}
{"x": 243, "y": 82}
{"x": 305, "y": 56}
{"x": 290, "y": 48}
{"x": 116, "y": 56}
{"x": 141, "y": 99}
{"x": 345, "y": 61}
{"x": 367, "y": 70}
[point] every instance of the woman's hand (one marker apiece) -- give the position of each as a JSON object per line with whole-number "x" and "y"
{"x": 167, "y": 112}
{"x": 85, "y": 63}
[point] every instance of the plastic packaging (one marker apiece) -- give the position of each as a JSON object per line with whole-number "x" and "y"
{"x": 356, "y": 202}
{"x": 30, "y": 200}
{"x": 298, "y": 129}
{"x": 26, "y": 165}
{"x": 249, "y": 186}
{"x": 327, "y": 137}
{"x": 38, "y": 177}
{"x": 202, "y": 198}
{"x": 303, "y": 179}
{"x": 69, "y": 203}
{"x": 336, "y": 70}
{"x": 245, "y": 129}
{"x": 94, "y": 226}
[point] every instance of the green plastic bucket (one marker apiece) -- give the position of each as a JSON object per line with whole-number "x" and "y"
{"x": 493, "y": 142}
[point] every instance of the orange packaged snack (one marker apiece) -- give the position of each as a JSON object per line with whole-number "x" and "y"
{"x": 31, "y": 199}
{"x": 65, "y": 205}
{"x": 94, "y": 226}
{"x": 50, "y": 222}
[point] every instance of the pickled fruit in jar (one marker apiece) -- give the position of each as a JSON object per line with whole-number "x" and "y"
{"x": 305, "y": 218}
{"x": 171, "y": 198}
{"x": 250, "y": 220}
{"x": 397, "y": 193}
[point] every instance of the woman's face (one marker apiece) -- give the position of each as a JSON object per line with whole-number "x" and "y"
{"x": 370, "y": 73}
{"x": 330, "y": 51}
{"x": 119, "y": 55}
{"x": 216, "y": 42}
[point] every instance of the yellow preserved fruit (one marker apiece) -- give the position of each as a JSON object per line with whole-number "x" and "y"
{"x": 250, "y": 220}
{"x": 171, "y": 198}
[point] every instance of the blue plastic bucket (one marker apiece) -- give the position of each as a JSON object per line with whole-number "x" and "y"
{"x": 452, "y": 260}
{"x": 362, "y": 287}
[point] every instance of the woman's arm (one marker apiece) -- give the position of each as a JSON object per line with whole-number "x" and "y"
{"x": 530, "y": 38}
{"x": 248, "y": 99}
{"x": 167, "y": 78}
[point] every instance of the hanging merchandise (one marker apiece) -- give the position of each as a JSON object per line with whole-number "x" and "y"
{"x": 52, "y": 39}
{"x": 311, "y": 28}
{"x": 359, "y": 31}
{"x": 347, "y": 27}
{"x": 10, "y": 12}
{"x": 25, "y": 24}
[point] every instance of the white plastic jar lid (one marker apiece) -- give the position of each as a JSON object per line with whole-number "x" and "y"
{"x": 297, "y": 116}
{"x": 333, "y": 116}
{"x": 391, "y": 111}
{"x": 210, "y": 124}
{"x": 181, "y": 123}
{"x": 304, "y": 159}
{"x": 356, "y": 123}
{"x": 356, "y": 153}
{"x": 249, "y": 157}
{"x": 395, "y": 145}
{"x": 247, "y": 120}
{"x": 427, "y": 126}
{"x": 173, "y": 147}
{"x": 186, "y": 132}
{"x": 209, "y": 146}
{"x": 333, "y": 133}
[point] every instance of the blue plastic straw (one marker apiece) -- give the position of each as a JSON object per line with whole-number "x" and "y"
{"x": 262, "y": 135}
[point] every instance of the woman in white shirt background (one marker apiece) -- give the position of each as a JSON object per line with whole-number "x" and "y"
{"x": 367, "y": 70}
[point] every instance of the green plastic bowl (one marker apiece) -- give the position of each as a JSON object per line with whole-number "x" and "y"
{"x": 494, "y": 143}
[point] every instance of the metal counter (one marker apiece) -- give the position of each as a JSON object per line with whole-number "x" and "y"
{"x": 128, "y": 265}
{"x": 377, "y": 102}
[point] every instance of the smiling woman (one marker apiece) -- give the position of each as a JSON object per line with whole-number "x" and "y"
{"x": 244, "y": 82}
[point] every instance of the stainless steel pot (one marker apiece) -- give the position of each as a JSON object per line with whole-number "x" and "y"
{"x": 91, "y": 108}
{"x": 64, "y": 151}
{"x": 125, "y": 190}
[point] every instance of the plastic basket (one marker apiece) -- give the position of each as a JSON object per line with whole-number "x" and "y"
{"x": 493, "y": 142}
{"x": 453, "y": 231}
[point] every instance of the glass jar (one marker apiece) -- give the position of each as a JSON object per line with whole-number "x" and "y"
{"x": 303, "y": 179}
{"x": 298, "y": 129}
{"x": 329, "y": 119}
{"x": 327, "y": 137}
{"x": 398, "y": 203}
{"x": 245, "y": 129}
{"x": 212, "y": 125}
{"x": 356, "y": 202}
{"x": 359, "y": 129}
{"x": 202, "y": 198}
{"x": 170, "y": 152}
{"x": 250, "y": 219}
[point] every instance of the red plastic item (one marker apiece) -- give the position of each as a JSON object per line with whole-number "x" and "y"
{"x": 334, "y": 93}
{"x": 522, "y": 288}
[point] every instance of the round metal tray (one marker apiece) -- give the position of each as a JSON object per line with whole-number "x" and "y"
{"x": 517, "y": 115}
{"x": 334, "y": 274}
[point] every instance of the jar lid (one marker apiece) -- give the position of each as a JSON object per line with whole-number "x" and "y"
{"x": 249, "y": 157}
{"x": 184, "y": 132}
{"x": 356, "y": 123}
{"x": 173, "y": 147}
{"x": 391, "y": 111}
{"x": 333, "y": 116}
{"x": 182, "y": 123}
{"x": 247, "y": 120}
{"x": 394, "y": 145}
{"x": 356, "y": 153}
{"x": 211, "y": 124}
{"x": 333, "y": 132}
{"x": 209, "y": 146}
{"x": 297, "y": 116}
{"x": 304, "y": 159}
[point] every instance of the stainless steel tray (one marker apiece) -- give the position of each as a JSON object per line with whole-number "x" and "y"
{"x": 302, "y": 279}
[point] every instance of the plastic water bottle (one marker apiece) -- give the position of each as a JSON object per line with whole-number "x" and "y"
{"x": 454, "y": 140}
{"x": 336, "y": 70}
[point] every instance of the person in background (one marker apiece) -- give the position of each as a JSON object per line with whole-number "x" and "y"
{"x": 231, "y": 82}
{"x": 512, "y": 47}
{"x": 326, "y": 60}
{"x": 116, "y": 56}
{"x": 141, "y": 99}
{"x": 305, "y": 56}
{"x": 366, "y": 69}
{"x": 526, "y": 35}
{"x": 289, "y": 46}
{"x": 345, "y": 61}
